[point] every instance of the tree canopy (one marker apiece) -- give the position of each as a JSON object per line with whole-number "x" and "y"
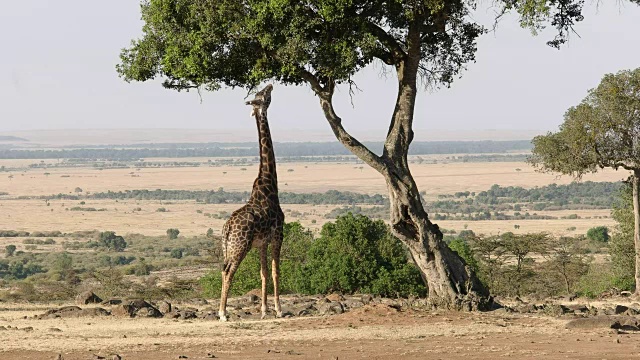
{"x": 211, "y": 43}
{"x": 602, "y": 131}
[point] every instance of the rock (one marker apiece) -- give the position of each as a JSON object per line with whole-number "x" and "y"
{"x": 124, "y": 311}
{"x": 604, "y": 322}
{"x": 148, "y": 312}
{"x": 571, "y": 297}
{"x": 608, "y": 311}
{"x": 87, "y": 297}
{"x": 27, "y": 329}
{"x": 164, "y": 307}
{"x": 555, "y": 309}
{"x": 251, "y": 299}
{"x": 625, "y": 293}
{"x": 620, "y": 309}
{"x": 73, "y": 312}
{"x": 353, "y": 304}
{"x": 58, "y": 357}
{"x": 55, "y": 330}
{"x": 631, "y": 312}
{"x": 186, "y": 314}
{"x": 526, "y": 308}
{"x": 334, "y": 297}
{"x": 116, "y": 357}
{"x": 201, "y": 302}
{"x": 366, "y": 298}
{"x": 136, "y": 307}
{"x": 578, "y": 308}
{"x": 112, "y": 302}
{"x": 330, "y": 308}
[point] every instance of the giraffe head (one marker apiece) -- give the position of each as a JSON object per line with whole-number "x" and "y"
{"x": 261, "y": 101}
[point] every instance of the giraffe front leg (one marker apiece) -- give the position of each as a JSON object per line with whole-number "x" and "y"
{"x": 263, "y": 276}
{"x": 275, "y": 271}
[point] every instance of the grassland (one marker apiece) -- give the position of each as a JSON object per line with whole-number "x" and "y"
{"x": 191, "y": 217}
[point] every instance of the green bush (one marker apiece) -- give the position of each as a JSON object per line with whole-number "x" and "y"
{"x": 357, "y": 254}
{"x": 598, "y": 233}
{"x": 462, "y": 248}
{"x": 176, "y": 254}
{"x": 110, "y": 240}
{"x": 599, "y": 279}
{"x": 354, "y": 254}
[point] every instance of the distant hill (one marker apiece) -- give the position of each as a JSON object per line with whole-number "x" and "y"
{"x": 11, "y": 138}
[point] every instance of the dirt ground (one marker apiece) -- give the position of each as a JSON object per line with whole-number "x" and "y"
{"x": 371, "y": 332}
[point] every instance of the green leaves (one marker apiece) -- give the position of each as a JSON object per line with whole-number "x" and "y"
{"x": 354, "y": 254}
{"x": 602, "y": 131}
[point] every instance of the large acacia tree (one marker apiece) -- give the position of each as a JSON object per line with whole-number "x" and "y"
{"x": 209, "y": 44}
{"x": 603, "y": 131}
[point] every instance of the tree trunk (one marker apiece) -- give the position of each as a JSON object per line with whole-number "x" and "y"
{"x": 635, "y": 184}
{"x": 452, "y": 283}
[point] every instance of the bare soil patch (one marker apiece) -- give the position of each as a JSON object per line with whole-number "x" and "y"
{"x": 371, "y": 332}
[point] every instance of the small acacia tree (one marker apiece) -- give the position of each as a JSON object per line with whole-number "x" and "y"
{"x": 208, "y": 44}
{"x": 9, "y": 250}
{"x": 603, "y": 131}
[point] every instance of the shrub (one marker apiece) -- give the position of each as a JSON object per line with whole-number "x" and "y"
{"x": 598, "y": 233}
{"x": 462, "y": 248}
{"x": 111, "y": 241}
{"x": 161, "y": 209}
{"x": 600, "y": 278}
{"x": 176, "y": 253}
{"x": 357, "y": 254}
{"x": 9, "y": 250}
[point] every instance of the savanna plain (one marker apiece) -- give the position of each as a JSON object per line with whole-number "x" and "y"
{"x": 84, "y": 237}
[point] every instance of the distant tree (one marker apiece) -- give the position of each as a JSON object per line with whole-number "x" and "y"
{"x": 210, "y": 233}
{"x": 599, "y": 233}
{"x": 519, "y": 247}
{"x": 567, "y": 258}
{"x": 172, "y": 234}
{"x": 9, "y": 250}
{"x": 602, "y": 131}
{"x": 78, "y": 190}
{"x": 63, "y": 270}
{"x": 110, "y": 240}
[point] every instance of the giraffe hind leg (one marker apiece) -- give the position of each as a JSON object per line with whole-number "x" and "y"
{"x": 236, "y": 247}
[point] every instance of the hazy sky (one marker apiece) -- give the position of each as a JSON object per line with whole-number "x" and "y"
{"x": 57, "y": 71}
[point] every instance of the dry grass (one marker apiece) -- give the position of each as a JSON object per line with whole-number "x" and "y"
{"x": 434, "y": 179}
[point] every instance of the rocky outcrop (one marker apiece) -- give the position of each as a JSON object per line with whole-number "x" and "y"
{"x": 87, "y": 297}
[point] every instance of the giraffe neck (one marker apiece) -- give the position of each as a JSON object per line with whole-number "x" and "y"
{"x": 267, "y": 157}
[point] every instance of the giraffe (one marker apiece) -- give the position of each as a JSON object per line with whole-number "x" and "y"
{"x": 258, "y": 223}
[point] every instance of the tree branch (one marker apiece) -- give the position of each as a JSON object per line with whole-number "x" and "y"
{"x": 395, "y": 50}
{"x": 325, "y": 93}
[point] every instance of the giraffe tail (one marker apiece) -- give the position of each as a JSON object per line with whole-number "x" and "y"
{"x": 225, "y": 242}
